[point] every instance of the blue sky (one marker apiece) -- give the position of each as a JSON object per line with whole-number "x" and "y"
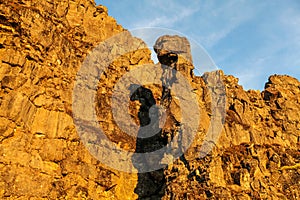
{"x": 248, "y": 39}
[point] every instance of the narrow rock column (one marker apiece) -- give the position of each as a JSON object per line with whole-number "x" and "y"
{"x": 173, "y": 53}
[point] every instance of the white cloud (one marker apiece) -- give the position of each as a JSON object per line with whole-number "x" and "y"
{"x": 218, "y": 20}
{"x": 274, "y": 28}
{"x": 165, "y": 19}
{"x": 213, "y": 19}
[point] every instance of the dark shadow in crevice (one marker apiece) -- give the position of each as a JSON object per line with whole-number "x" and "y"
{"x": 150, "y": 184}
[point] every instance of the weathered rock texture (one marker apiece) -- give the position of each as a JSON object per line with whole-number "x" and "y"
{"x": 42, "y": 46}
{"x": 257, "y": 155}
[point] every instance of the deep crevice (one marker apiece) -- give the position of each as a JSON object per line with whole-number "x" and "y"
{"x": 150, "y": 184}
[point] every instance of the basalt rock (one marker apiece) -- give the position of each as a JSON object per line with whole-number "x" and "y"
{"x": 42, "y": 47}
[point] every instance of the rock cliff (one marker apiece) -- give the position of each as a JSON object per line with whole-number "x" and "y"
{"x": 42, "y": 47}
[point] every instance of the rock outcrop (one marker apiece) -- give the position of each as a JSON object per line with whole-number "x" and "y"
{"x": 257, "y": 155}
{"x": 43, "y": 44}
{"x": 42, "y": 47}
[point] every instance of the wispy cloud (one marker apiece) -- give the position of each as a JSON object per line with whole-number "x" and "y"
{"x": 218, "y": 20}
{"x": 161, "y": 17}
{"x": 249, "y": 39}
{"x": 263, "y": 41}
